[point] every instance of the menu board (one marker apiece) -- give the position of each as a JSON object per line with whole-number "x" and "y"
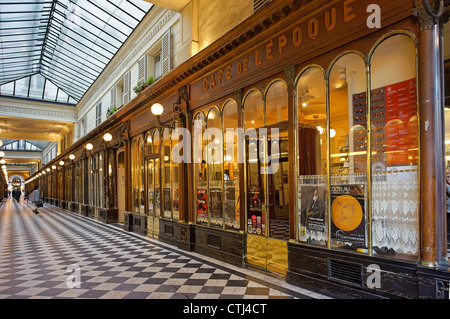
{"x": 394, "y": 126}
{"x": 401, "y": 123}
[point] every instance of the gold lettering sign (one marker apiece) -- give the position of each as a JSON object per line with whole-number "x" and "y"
{"x": 305, "y": 32}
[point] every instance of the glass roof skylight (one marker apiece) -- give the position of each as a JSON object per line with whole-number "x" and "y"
{"x": 67, "y": 42}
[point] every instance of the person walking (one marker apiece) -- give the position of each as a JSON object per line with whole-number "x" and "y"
{"x": 35, "y": 199}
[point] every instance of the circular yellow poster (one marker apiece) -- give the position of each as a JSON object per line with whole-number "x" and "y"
{"x": 346, "y": 213}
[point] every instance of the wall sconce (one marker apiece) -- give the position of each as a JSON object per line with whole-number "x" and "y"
{"x": 54, "y": 167}
{"x": 71, "y": 157}
{"x": 61, "y": 163}
{"x": 48, "y": 169}
{"x": 89, "y": 146}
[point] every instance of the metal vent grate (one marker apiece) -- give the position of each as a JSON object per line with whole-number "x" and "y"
{"x": 259, "y": 4}
{"x": 213, "y": 241}
{"x": 168, "y": 230}
{"x": 345, "y": 272}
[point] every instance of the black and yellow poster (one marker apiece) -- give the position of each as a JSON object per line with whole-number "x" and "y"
{"x": 348, "y": 213}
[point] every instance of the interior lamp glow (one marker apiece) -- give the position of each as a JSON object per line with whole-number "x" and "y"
{"x": 61, "y": 163}
{"x": 332, "y": 133}
{"x": 107, "y": 137}
{"x": 2, "y": 154}
{"x": 71, "y": 157}
{"x": 89, "y": 146}
{"x": 157, "y": 109}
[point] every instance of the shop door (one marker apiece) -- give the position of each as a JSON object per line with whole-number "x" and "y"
{"x": 153, "y": 196}
{"x": 268, "y": 201}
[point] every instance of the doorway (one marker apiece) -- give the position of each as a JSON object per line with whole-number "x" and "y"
{"x": 121, "y": 184}
{"x": 267, "y": 206}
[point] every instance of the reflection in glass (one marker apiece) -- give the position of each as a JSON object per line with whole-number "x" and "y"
{"x": 395, "y": 155}
{"x": 200, "y": 178}
{"x": 231, "y": 168}
{"x": 214, "y": 159}
{"x": 348, "y": 146}
{"x": 312, "y": 157}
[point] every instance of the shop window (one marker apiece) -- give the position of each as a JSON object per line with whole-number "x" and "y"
{"x": 214, "y": 160}
{"x": 140, "y": 175}
{"x": 175, "y": 178}
{"x": 276, "y": 103}
{"x": 167, "y": 187}
{"x": 157, "y": 174}
{"x": 101, "y": 164}
{"x": 254, "y": 110}
{"x": 348, "y": 153}
{"x": 312, "y": 157}
{"x": 231, "y": 168}
{"x": 395, "y": 155}
{"x": 256, "y": 199}
{"x": 200, "y": 177}
{"x": 134, "y": 175}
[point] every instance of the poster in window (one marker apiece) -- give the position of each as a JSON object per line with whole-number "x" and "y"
{"x": 176, "y": 200}
{"x": 230, "y": 200}
{"x": 167, "y": 205}
{"x": 216, "y": 202}
{"x": 313, "y": 206}
{"x": 347, "y": 213}
{"x": 158, "y": 198}
{"x": 201, "y": 202}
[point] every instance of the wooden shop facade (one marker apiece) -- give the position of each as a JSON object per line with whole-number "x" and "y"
{"x": 334, "y": 177}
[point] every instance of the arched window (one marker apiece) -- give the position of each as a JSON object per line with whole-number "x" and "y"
{"x": 214, "y": 160}
{"x": 348, "y": 148}
{"x": 157, "y": 175}
{"x": 276, "y": 103}
{"x": 231, "y": 167}
{"x": 254, "y": 110}
{"x": 200, "y": 178}
{"x": 166, "y": 173}
{"x": 395, "y": 150}
{"x": 312, "y": 156}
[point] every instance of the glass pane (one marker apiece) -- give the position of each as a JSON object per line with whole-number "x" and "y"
{"x": 231, "y": 168}
{"x": 175, "y": 180}
{"x": 140, "y": 172}
{"x": 312, "y": 157}
{"x": 395, "y": 155}
{"x": 254, "y": 118}
{"x": 277, "y": 103}
{"x": 348, "y": 146}
{"x": 167, "y": 188}
{"x": 200, "y": 177}
{"x": 157, "y": 193}
{"x": 22, "y": 87}
{"x": 37, "y": 86}
{"x": 214, "y": 159}
{"x": 134, "y": 175}
{"x": 150, "y": 186}
{"x": 254, "y": 110}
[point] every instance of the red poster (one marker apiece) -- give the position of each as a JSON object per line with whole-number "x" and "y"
{"x": 401, "y": 123}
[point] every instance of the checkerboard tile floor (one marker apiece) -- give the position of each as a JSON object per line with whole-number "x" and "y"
{"x": 40, "y": 254}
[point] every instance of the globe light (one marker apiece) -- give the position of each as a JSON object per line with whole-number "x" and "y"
{"x": 71, "y": 157}
{"x": 107, "y": 137}
{"x": 89, "y": 146}
{"x": 157, "y": 109}
{"x": 61, "y": 163}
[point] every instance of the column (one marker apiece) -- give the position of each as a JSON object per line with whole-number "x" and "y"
{"x": 431, "y": 110}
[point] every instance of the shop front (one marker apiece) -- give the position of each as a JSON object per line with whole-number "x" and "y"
{"x": 303, "y": 150}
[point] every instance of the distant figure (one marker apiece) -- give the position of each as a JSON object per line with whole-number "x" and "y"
{"x": 16, "y": 195}
{"x": 35, "y": 199}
